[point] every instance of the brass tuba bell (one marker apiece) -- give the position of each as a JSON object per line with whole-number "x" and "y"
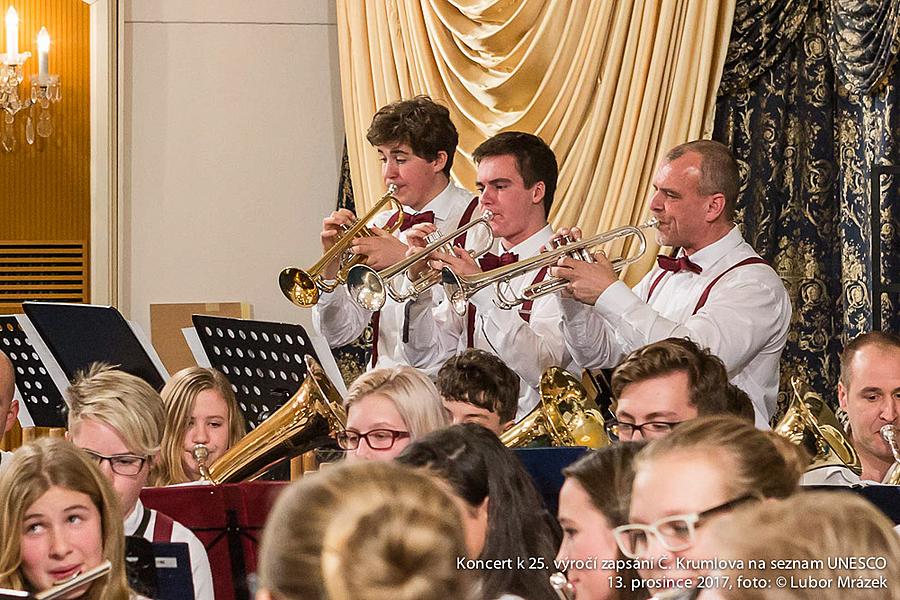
{"x": 565, "y": 415}
{"x": 825, "y": 442}
{"x": 303, "y": 423}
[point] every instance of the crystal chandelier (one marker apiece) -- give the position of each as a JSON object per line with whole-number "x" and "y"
{"x": 44, "y": 87}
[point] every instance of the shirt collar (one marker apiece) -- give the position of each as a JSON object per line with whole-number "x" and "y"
{"x": 133, "y": 521}
{"x": 443, "y": 204}
{"x": 532, "y": 245}
{"x": 710, "y": 255}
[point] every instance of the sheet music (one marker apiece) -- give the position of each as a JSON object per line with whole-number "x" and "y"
{"x": 149, "y": 349}
{"x": 196, "y": 347}
{"x": 53, "y": 369}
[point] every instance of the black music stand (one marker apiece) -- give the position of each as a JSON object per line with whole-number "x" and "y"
{"x": 262, "y": 360}
{"x": 40, "y": 381}
{"x": 79, "y": 335}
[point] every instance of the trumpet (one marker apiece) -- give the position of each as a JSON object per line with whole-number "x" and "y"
{"x": 303, "y": 287}
{"x": 889, "y": 433}
{"x": 460, "y": 288}
{"x": 560, "y": 584}
{"x": 369, "y": 288}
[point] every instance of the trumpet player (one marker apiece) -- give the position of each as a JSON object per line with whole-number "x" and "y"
{"x": 716, "y": 291}
{"x": 517, "y": 175}
{"x": 416, "y": 141}
{"x": 869, "y": 392}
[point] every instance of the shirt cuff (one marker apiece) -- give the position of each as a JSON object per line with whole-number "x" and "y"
{"x": 617, "y": 299}
{"x": 483, "y": 299}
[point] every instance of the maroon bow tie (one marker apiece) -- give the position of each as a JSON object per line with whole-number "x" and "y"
{"x": 410, "y": 219}
{"x": 682, "y": 263}
{"x": 491, "y": 261}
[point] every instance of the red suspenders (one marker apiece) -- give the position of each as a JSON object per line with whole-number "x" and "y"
{"x": 753, "y": 260}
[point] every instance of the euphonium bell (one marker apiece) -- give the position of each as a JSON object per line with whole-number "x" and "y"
{"x": 303, "y": 287}
{"x": 889, "y": 433}
{"x": 566, "y": 416}
{"x": 303, "y": 423}
{"x": 827, "y": 445}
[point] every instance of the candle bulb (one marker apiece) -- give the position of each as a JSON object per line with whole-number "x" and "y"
{"x": 43, "y": 45}
{"x": 12, "y": 33}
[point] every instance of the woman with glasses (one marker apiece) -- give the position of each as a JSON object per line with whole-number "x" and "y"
{"x": 703, "y": 469}
{"x": 364, "y": 531}
{"x": 200, "y": 409}
{"x": 60, "y": 519}
{"x": 505, "y": 522}
{"x": 117, "y": 420}
{"x": 593, "y": 500}
{"x": 386, "y": 410}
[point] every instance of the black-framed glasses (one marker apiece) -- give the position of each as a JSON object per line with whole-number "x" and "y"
{"x": 651, "y": 429}
{"x": 128, "y": 465}
{"x": 674, "y": 533}
{"x": 377, "y": 439}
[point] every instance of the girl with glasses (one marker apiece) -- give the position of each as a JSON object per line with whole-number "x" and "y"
{"x": 386, "y": 410}
{"x": 364, "y": 531}
{"x": 593, "y": 500}
{"x": 60, "y": 518}
{"x": 505, "y": 522}
{"x": 704, "y": 468}
{"x": 117, "y": 420}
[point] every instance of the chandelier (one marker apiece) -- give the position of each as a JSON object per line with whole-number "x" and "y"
{"x": 44, "y": 88}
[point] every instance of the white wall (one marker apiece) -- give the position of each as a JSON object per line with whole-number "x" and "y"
{"x": 232, "y": 144}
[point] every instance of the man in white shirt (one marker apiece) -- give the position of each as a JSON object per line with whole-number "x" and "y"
{"x": 869, "y": 391}
{"x": 718, "y": 292}
{"x": 118, "y": 420}
{"x": 416, "y": 142}
{"x": 9, "y": 406}
{"x": 517, "y": 174}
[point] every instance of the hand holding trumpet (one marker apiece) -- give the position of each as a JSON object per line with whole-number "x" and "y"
{"x": 587, "y": 279}
{"x": 461, "y": 261}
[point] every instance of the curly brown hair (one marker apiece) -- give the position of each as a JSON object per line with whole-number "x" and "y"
{"x": 421, "y": 123}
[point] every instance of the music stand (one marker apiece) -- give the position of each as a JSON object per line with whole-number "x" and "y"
{"x": 262, "y": 360}
{"x": 40, "y": 381}
{"x": 79, "y": 335}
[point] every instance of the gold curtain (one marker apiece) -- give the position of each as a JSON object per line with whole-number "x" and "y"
{"x": 609, "y": 84}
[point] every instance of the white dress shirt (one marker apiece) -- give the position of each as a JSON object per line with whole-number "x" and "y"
{"x": 436, "y": 334}
{"x": 744, "y": 322}
{"x": 200, "y": 570}
{"x": 340, "y": 320}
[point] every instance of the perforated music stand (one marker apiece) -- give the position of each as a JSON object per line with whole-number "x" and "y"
{"x": 78, "y": 335}
{"x": 262, "y": 360}
{"x": 40, "y": 382}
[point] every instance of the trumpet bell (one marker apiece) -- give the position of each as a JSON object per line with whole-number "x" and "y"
{"x": 366, "y": 287}
{"x": 304, "y": 422}
{"x": 566, "y": 416}
{"x": 827, "y": 445}
{"x": 298, "y": 287}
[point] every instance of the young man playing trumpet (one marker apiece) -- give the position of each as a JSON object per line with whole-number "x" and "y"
{"x": 415, "y": 140}
{"x": 718, "y": 291}
{"x": 517, "y": 175}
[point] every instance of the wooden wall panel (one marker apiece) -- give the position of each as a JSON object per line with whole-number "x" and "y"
{"x": 45, "y": 188}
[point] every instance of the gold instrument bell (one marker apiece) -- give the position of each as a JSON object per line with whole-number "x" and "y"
{"x": 303, "y": 287}
{"x": 810, "y": 423}
{"x": 304, "y": 422}
{"x": 565, "y": 415}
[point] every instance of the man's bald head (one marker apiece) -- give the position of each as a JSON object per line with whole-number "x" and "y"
{"x": 9, "y": 409}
